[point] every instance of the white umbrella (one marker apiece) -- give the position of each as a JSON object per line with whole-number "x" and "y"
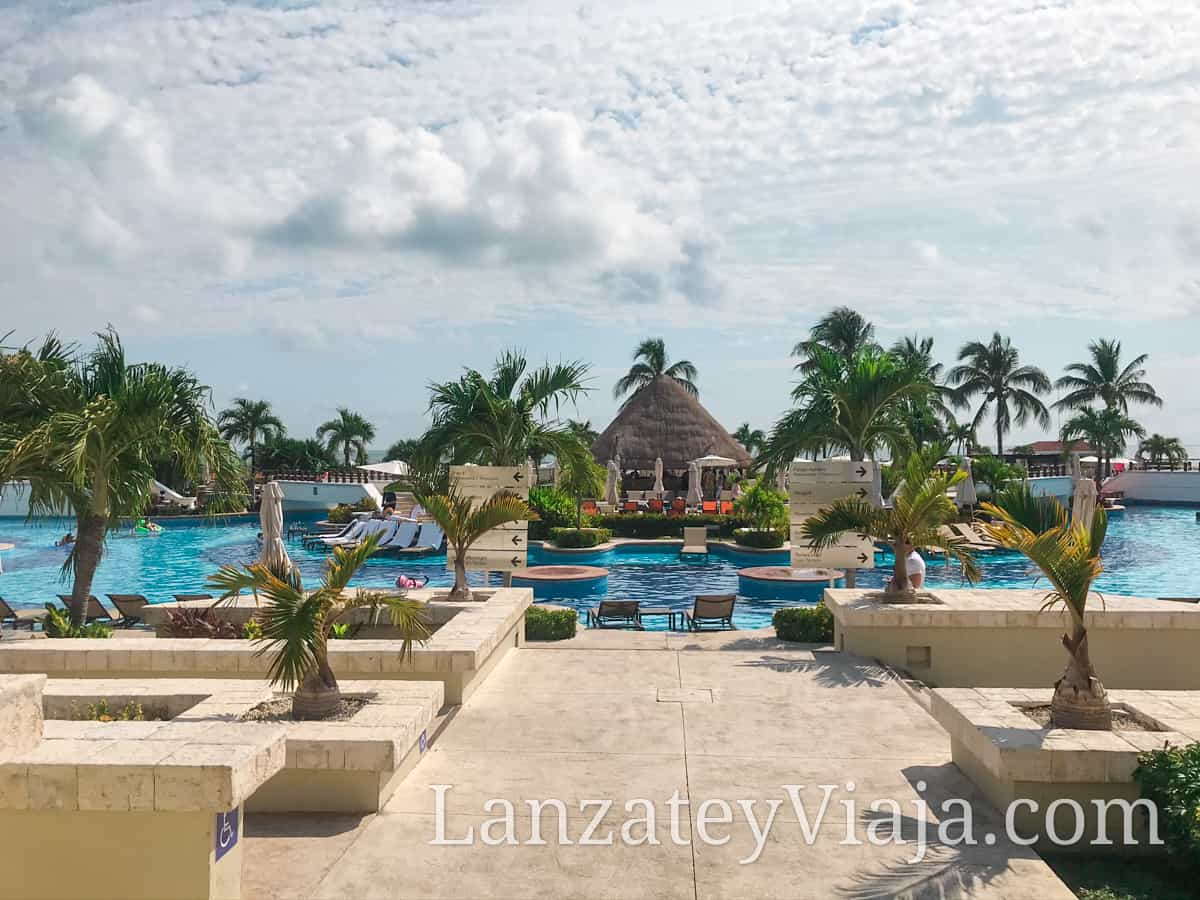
{"x": 270, "y": 517}
{"x": 610, "y": 483}
{"x": 715, "y": 461}
{"x": 392, "y": 467}
{"x": 964, "y": 491}
{"x": 693, "y": 495}
{"x": 531, "y": 473}
{"x": 658, "y": 473}
{"x": 1083, "y": 503}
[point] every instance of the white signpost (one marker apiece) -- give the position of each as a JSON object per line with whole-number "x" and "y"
{"x": 816, "y": 484}
{"x": 502, "y": 549}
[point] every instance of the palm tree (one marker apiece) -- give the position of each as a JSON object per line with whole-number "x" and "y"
{"x": 403, "y": 450}
{"x": 349, "y": 431}
{"x": 842, "y": 331}
{"x": 583, "y": 430}
{"x": 650, "y": 361}
{"x": 920, "y": 507}
{"x": 85, "y": 432}
{"x": 994, "y": 372}
{"x": 853, "y": 405}
{"x": 1107, "y": 431}
{"x": 1105, "y": 380}
{"x": 250, "y": 422}
{"x": 1159, "y": 449}
{"x": 464, "y": 522}
{"x": 505, "y": 419}
{"x": 582, "y": 478}
{"x": 296, "y": 623}
{"x": 1068, "y": 553}
{"x": 750, "y": 438}
{"x": 961, "y": 435}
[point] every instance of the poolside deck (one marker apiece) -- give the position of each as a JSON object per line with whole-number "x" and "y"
{"x": 618, "y": 716}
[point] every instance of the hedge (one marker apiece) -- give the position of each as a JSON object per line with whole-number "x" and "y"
{"x": 763, "y": 540}
{"x": 569, "y": 538}
{"x": 542, "y": 624}
{"x": 1170, "y": 779}
{"x": 658, "y": 525}
{"x": 804, "y": 624}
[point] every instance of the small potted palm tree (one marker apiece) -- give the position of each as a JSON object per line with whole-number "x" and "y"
{"x": 296, "y": 624}
{"x": 1068, "y": 553}
{"x": 920, "y": 507}
{"x": 464, "y": 522}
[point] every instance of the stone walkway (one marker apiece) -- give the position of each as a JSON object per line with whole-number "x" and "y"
{"x": 615, "y": 717}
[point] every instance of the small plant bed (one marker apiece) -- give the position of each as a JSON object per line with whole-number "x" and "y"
{"x": 279, "y": 709}
{"x": 1130, "y": 878}
{"x": 804, "y": 624}
{"x": 1121, "y": 719}
{"x": 103, "y": 711}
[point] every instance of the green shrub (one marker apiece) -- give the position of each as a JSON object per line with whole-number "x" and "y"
{"x": 765, "y": 540}
{"x": 542, "y": 624}
{"x": 804, "y": 624}
{"x": 1170, "y": 779}
{"x": 555, "y": 509}
{"x": 339, "y": 631}
{"x": 99, "y": 712}
{"x": 763, "y": 506}
{"x": 340, "y": 514}
{"x": 568, "y": 538}
{"x": 366, "y": 504}
{"x": 658, "y": 525}
{"x": 57, "y": 624}
{"x": 252, "y": 630}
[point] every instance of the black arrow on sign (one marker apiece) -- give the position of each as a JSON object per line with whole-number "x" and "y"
{"x": 863, "y": 537}
{"x": 516, "y": 539}
{"x": 862, "y": 471}
{"x": 862, "y": 492}
{"x": 862, "y": 557}
{"x": 517, "y": 475}
{"x": 516, "y": 561}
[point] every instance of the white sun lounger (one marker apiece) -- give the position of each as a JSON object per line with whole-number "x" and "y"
{"x": 350, "y": 534}
{"x": 403, "y": 536}
{"x": 370, "y": 527}
{"x": 695, "y": 540}
{"x": 431, "y": 535}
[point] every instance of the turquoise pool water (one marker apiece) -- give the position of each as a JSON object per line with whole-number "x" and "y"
{"x": 1151, "y": 551}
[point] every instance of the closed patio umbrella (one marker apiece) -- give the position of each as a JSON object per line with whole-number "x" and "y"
{"x": 1084, "y": 496}
{"x": 270, "y": 517}
{"x": 693, "y": 495}
{"x": 610, "y": 483}
{"x": 658, "y": 475}
{"x": 964, "y": 491}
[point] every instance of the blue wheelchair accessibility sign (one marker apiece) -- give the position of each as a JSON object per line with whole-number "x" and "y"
{"x": 227, "y": 832}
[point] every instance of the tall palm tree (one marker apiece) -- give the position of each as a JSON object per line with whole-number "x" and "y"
{"x": 650, "y": 361}
{"x": 504, "y": 419}
{"x": 1159, "y": 449}
{"x": 993, "y": 371}
{"x": 961, "y": 435}
{"x": 86, "y": 430}
{"x": 296, "y": 623}
{"x": 1106, "y": 381}
{"x": 464, "y": 522}
{"x": 842, "y": 331}
{"x": 920, "y": 507}
{"x": 750, "y": 438}
{"x": 1068, "y": 553}
{"x": 402, "y": 450}
{"x": 852, "y": 405}
{"x": 1106, "y": 430}
{"x": 350, "y": 432}
{"x": 250, "y": 422}
{"x": 583, "y": 430}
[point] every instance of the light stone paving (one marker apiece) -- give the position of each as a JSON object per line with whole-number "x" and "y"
{"x": 724, "y": 717}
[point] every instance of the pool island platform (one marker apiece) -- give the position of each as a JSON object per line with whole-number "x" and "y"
{"x": 1006, "y": 639}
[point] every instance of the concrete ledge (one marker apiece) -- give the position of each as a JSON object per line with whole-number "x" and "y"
{"x": 994, "y": 638}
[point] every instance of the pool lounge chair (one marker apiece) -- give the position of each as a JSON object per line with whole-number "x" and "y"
{"x": 708, "y": 507}
{"x": 615, "y": 614}
{"x": 655, "y": 506}
{"x": 129, "y": 606}
{"x": 19, "y": 617}
{"x": 361, "y": 529}
{"x": 432, "y": 537}
{"x": 711, "y": 609}
{"x": 402, "y": 537}
{"x": 95, "y": 609}
{"x": 727, "y": 507}
{"x": 979, "y": 540}
{"x": 630, "y": 506}
{"x": 695, "y": 540}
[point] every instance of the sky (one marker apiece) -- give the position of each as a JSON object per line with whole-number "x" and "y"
{"x": 325, "y": 204}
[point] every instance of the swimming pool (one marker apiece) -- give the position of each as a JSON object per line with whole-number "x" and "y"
{"x": 1151, "y": 551}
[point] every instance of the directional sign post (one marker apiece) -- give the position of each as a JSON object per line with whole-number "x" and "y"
{"x": 813, "y": 485}
{"x": 502, "y": 549}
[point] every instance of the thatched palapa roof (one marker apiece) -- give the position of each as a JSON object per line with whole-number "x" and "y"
{"x": 664, "y": 420}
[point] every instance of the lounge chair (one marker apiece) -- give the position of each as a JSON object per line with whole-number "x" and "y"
{"x": 129, "y": 606}
{"x": 18, "y": 617}
{"x": 431, "y": 536}
{"x": 710, "y": 609}
{"x": 615, "y": 614}
{"x": 708, "y": 507}
{"x": 695, "y": 540}
{"x": 402, "y": 537}
{"x": 630, "y": 506}
{"x": 314, "y": 537}
{"x": 655, "y": 506}
{"x": 977, "y": 540}
{"x": 357, "y": 530}
{"x": 727, "y": 507}
{"x": 95, "y": 609}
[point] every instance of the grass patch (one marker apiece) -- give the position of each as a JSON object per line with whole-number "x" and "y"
{"x": 1129, "y": 878}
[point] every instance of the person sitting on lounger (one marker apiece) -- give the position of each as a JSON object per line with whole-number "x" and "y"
{"x": 914, "y": 565}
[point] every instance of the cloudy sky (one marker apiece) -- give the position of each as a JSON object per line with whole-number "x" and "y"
{"x": 323, "y": 203}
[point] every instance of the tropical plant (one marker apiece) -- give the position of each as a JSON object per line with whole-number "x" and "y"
{"x": 296, "y": 623}
{"x": 842, "y": 331}
{"x": 920, "y": 507}
{"x": 190, "y": 622}
{"x": 752, "y": 439}
{"x": 290, "y": 453}
{"x": 650, "y": 360}
{"x": 583, "y": 430}
{"x": 250, "y": 422}
{"x": 852, "y": 405}
{"x": 582, "y": 478}
{"x": 464, "y": 522}
{"x": 763, "y": 506}
{"x": 498, "y": 421}
{"x": 1107, "y": 431}
{"x": 85, "y": 432}
{"x": 57, "y": 624}
{"x": 961, "y": 435}
{"x": 993, "y": 372}
{"x": 403, "y": 450}
{"x": 1159, "y": 449}
{"x": 995, "y": 472}
{"x": 350, "y": 432}
{"x": 1068, "y": 553}
{"x": 1104, "y": 380}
